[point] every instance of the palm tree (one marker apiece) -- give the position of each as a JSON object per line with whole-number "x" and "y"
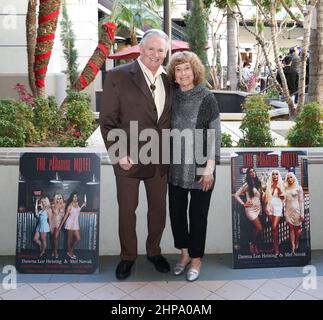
{"x": 153, "y": 4}
{"x": 232, "y": 48}
{"x": 47, "y": 18}
{"x": 31, "y": 32}
{"x": 274, "y": 32}
{"x": 135, "y": 16}
{"x": 305, "y": 45}
{"x": 315, "y": 91}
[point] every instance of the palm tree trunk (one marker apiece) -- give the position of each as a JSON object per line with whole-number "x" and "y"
{"x": 315, "y": 91}
{"x": 98, "y": 57}
{"x": 31, "y": 31}
{"x": 133, "y": 37}
{"x": 47, "y": 24}
{"x": 232, "y": 50}
{"x": 273, "y": 29}
{"x": 305, "y": 46}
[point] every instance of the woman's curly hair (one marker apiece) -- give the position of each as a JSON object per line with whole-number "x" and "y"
{"x": 186, "y": 57}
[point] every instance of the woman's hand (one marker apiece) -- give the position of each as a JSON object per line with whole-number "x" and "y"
{"x": 267, "y": 211}
{"x": 280, "y": 193}
{"x": 206, "y": 182}
{"x": 247, "y": 204}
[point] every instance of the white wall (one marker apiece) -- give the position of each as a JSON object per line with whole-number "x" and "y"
{"x": 12, "y": 36}
{"x": 84, "y": 16}
{"x": 13, "y": 52}
{"x": 219, "y": 237}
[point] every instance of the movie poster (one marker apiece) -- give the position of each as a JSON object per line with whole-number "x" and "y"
{"x": 58, "y": 213}
{"x": 270, "y": 209}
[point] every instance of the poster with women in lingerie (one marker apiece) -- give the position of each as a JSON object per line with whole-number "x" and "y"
{"x": 270, "y": 209}
{"x": 58, "y": 213}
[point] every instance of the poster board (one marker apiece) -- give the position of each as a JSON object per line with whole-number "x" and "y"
{"x": 268, "y": 230}
{"x": 58, "y": 213}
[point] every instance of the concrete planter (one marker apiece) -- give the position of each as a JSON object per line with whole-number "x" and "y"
{"x": 219, "y": 236}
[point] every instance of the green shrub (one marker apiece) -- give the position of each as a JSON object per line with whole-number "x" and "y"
{"x": 255, "y": 126}
{"x": 46, "y": 118}
{"x": 11, "y": 135}
{"x": 272, "y": 94}
{"x": 226, "y": 141}
{"x": 16, "y": 124}
{"x": 79, "y": 120}
{"x": 308, "y": 131}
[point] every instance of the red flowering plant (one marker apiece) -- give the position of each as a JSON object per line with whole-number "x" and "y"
{"x": 78, "y": 120}
{"x": 23, "y": 94}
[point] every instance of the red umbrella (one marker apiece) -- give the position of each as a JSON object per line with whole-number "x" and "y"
{"x": 133, "y": 52}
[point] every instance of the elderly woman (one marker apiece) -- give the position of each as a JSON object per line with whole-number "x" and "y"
{"x": 195, "y": 117}
{"x": 294, "y": 209}
{"x": 274, "y": 198}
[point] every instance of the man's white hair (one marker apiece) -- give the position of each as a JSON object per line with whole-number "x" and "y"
{"x": 155, "y": 32}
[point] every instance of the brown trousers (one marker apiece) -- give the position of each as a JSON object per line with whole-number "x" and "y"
{"x": 127, "y": 194}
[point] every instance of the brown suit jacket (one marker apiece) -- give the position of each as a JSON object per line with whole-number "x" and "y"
{"x": 127, "y": 97}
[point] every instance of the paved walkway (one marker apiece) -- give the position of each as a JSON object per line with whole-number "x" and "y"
{"x": 218, "y": 281}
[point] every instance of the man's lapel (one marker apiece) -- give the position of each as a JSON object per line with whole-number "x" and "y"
{"x": 139, "y": 80}
{"x": 167, "y": 96}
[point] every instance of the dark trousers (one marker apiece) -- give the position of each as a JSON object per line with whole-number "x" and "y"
{"x": 127, "y": 194}
{"x": 191, "y": 236}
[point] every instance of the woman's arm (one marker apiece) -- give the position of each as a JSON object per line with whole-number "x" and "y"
{"x": 36, "y": 208}
{"x": 281, "y": 193}
{"x": 239, "y": 193}
{"x": 211, "y": 109}
{"x": 209, "y": 113}
{"x": 50, "y": 217}
{"x": 68, "y": 211}
{"x": 301, "y": 201}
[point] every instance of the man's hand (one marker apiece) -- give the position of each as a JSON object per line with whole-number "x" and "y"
{"x": 126, "y": 163}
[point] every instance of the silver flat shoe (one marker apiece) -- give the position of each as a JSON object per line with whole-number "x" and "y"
{"x": 192, "y": 274}
{"x": 179, "y": 268}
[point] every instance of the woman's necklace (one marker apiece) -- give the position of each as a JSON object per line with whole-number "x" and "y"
{"x": 152, "y": 85}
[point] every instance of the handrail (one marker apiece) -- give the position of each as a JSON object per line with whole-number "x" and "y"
{"x": 273, "y": 84}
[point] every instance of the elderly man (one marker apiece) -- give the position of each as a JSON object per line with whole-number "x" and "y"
{"x": 139, "y": 92}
